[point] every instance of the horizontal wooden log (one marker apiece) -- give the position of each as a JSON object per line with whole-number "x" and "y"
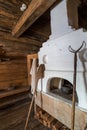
{"x": 4, "y": 22}
{"x": 47, "y": 120}
{"x": 50, "y": 120}
{"x": 15, "y": 68}
{"x": 57, "y": 126}
{"x": 13, "y": 76}
{"x": 18, "y": 47}
{"x": 14, "y": 62}
{"x": 13, "y": 73}
{"x": 35, "y": 9}
{"x": 6, "y": 37}
{"x": 13, "y": 46}
{"x": 13, "y": 92}
{"x": 11, "y": 84}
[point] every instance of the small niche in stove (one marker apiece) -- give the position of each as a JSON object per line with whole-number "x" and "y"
{"x": 62, "y": 87}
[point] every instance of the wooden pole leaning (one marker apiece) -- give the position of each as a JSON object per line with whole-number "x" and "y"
{"x": 74, "y": 83}
{"x": 39, "y": 75}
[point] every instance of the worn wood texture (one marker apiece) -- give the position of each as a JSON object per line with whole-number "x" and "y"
{"x": 35, "y": 9}
{"x": 72, "y": 11}
{"x": 31, "y": 40}
{"x": 29, "y": 64}
{"x": 13, "y": 76}
{"x": 10, "y": 13}
{"x": 13, "y": 117}
{"x": 61, "y": 110}
{"x": 40, "y": 30}
{"x": 13, "y": 63}
{"x": 20, "y": 47}
{"x": 47, "y": 120}
{"x": 12, "y": 99}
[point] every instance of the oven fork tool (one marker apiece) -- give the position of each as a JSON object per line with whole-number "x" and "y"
{"x": 74, "y": 82}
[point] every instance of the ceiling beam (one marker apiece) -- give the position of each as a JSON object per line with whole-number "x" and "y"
{"x": 21, "y": 40}
{"x": 35, "y": 9}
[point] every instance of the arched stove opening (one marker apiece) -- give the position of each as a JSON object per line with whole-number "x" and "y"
{"x": 62, "y": 88}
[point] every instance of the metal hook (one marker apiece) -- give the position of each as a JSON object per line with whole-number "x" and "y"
{"x": 75, "y": 51}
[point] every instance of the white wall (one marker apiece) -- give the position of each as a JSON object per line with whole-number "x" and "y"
{"x": 59, "y": 20}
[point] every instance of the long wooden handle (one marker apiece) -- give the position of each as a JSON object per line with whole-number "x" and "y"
{"x": 40, "y": 74}
{"x": 74, "y": 82}
{"x": 74, "y": 91}
{"x": 30, "y": 108}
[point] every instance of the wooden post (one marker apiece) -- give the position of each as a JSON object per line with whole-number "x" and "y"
{"x": 39, "y": 74}
{"x": 29, "y": 59}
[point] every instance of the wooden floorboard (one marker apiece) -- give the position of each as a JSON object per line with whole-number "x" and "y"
{"x": 13, "y": 116}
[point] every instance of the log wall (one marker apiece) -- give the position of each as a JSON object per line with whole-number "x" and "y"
{"x": 13, "y": 64}
{"x": 13, "y": 77}
{"x": 13, "y": 74}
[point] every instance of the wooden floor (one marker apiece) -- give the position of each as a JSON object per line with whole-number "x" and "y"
{"x": 13, "y": 115}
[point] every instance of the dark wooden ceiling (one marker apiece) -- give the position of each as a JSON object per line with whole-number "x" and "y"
{"x": 10, "y": 13}
{"x": 31, "y": 39}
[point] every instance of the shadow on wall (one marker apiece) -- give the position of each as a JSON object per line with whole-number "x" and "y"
{"x": 83, "y": 58}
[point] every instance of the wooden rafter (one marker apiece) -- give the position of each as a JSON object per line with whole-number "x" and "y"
{"x": 35, "y": 9}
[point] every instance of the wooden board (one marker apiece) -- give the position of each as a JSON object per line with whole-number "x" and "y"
{"x": 61, "y": 110}
{"x": 13, "y": 117}
{"x": 29, "y": 59}
{"x": 73, "y": 14}
{"x": 13, "y": 92}
{"x": 35, "y": 9}
{"x": 13, "y": 74}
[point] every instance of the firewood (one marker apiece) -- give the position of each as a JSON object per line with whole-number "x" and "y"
{"x": 37, "y": 112}
{"x": 56, "y": 125}
{"x": 41, "y": 113}
{"x": 36, "y": 115}
{"x": 45, "y": 123}
{"x": 45, "y": 116}
{"x": 50, "y": 120}
{"x": 64, "y": 128}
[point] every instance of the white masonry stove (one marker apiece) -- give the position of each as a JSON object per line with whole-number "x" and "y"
{"x": 59, "y": 63}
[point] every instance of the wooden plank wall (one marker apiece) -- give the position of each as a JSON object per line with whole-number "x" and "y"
{"x": 13, "y": 71}
{"x": 13, "y": 74}
{"x": 13, "y": 65}
{"x": 13, "y": 77}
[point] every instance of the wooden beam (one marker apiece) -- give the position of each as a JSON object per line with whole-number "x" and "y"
{"x": 29, "y": 58}
{"x": 35, "y": 9}
{"x": 12, "y": 47}
{"x": 73, "y": 14}
{"x": 24, "y": 39}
